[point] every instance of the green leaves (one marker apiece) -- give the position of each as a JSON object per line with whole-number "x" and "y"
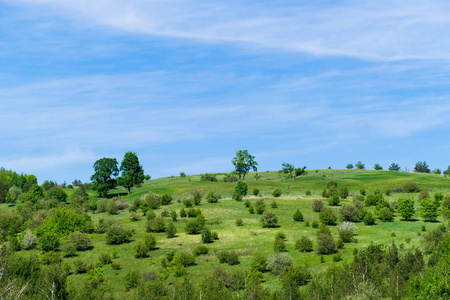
{"x": 132, "y": 171}
{"x": 243, "y": 163}
{"x": 103, "y": 179}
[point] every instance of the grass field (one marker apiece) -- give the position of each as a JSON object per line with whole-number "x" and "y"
{"x": 252, "y": 238}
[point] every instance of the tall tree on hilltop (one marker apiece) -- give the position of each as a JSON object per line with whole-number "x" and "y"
{"x": 132, "y": 171}
{"x": 243, "y": 162}
{"x": 103, "y": 178}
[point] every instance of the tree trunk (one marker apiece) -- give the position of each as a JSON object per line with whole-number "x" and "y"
{"x": 129, "y": 190}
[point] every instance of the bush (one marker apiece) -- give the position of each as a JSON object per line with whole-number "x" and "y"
{"x": 346, "y": 231}
{"x": 279, "y": 245}
{"x": 166, "y": 199}
{"x": 424, "y": 194}
{"x": 112, "y": 208}
{"x": 406, "y": 208}
{"x": 239, "y": 222}
{"x": 158, "y": 224}
{"x": 211, "y": 197}
{"x": 411, "y": 187}
{"x": 194, "y": 226}
{"x": 229, "y": 257}
{"x": 150, "y": 201}
{"x": 385, "y": 214}
{"x": 277, "y": 192}
{"x": 298, "y": 216}
{"x": 304, "y": 244}
{"x": 327, "y": 216}
{"x": 208, "y": 177}
{"x": 206, "y": 236}
{"x": 115, "y": 266}
{"x": 269, "y": 220}
{"x": 50, "y": 258}
{"x": 429, "y": 210}
{"x": 343, "y": 192}
{"x": 280, "y": 235}
{"x": 255, "y": 192}
{"x": 196, "y": 197}
{"x": 308, "y": 192}
{"x": 79, "y": 266}
{"x": 273, "y": 204}
{"x": 333, "y": 200}
{"x": 260, "y": 206}
{"x": 230, "y": 178}
{"x": 251, "y": 210}
{"x": 325, "y": 241}
{"x": 140, "y": 251}
{"x": 236, "y": 197}
{"x": 173, "y": 215}
{"x": 103, "y": 225}
{"x": 49, "y": 241}
{"x": 350, "y": 213}
{"x": 79, "y": 240}
{"x": 187, "y": 203}
{"x": 317, "y": 205}
{"x": 214, "y": 235}
{"x": 149, "y": 242}
{"x": 241, "y": 188}
{"x": 277, "y": 262}
{"x": 182, "y": 213}
{"x": 315, "y": 224}
{"x": 171, "y": 231}
{"x": 105, "y": 258}
{"x": 369, "y": 219}
{"x": 116, "y": 235}
{"x": 29, "y": 241}
{"x": 258, "y": 263}
{"x": 247, "y": 203}
{"x": 132, "y": 279}
{"x": 183, "y": 258}
{"x": 373, "y": 199}
{"x": 200, "y": 250}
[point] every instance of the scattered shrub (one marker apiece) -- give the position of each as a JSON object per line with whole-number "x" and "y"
{"x": 171, "y": 230}
{"x": 280, "y": 235}
{"x": 105, "y": 258}
{"x": 79, "y": 240}
{"x": 279, "y": 245}
{"x": 346, "y": 231}
{"x": 29, "y": 240}
{"x": 385, "y": 214}
{"x": 298, "y": 216}
{"x": 333, "y": 200}
{"x": 132, "y": 279}
{"x": 260, "y": 206}
{"x": 229, "y": 257}
{"x": 173, "y": 215}
{"x": 304, "y": 244}
{"x": 149, "y": 242}
{"x": 277, "y": 262}
{"x": 187, "y": 203}
{"x": 211, "y": 197}
{"x": 200, "y": 250}
{"x": 214, "y": 235}
{"x": 327, "y": 216}
{"x": 247, "y": 203}
{"x": 182, "y": 213}
{"x": 325, "y": 241}
{"x": 315, "y": 224}
{"x": 165, "y": 212}
{"x": 49, "y": 241}
{"x": 241, "y": 188}
{"x": 116, "y": 235}
{"x": 196, "y": 197}
{"x": 411, "y": 187}
{"x": 79, "y": 266}
{"x": 206, "y": 236}
{"x": 317, "y": 205}
{"x": 343, "y": 192}
{"x": 258, "y": 263}
{"x": 255, "y": 192}
{"x": 251, "y": 210}
{"x": 184, "y": 258}
{"x": 230, "y": 178}
{"x": 239, "y": 222}
{"x": 350, "y": 213}
{"x": 140, "y": 251}
{"x": 166, "y": 199}
{"x": 277, "y": 192}
{"x": 308, "y": 192}
{"x": 134, "y": 216}
{"x": 369, "y": 219}
{"x": 157, "y": 224}
{"x": 273, "y": 204}
{"x": 269, "y": 219}
{"x": 208, "y": 177}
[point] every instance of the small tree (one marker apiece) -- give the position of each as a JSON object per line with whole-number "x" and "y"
{"x": 360, "y": 165}
{"x": 343, "y": 192}
{"x": 406, "y": 208}
{"x": 171, "y": 231}
{"x": 132, "y": 171}
{"x": 394, "y": 167}
{"x": 421, "y": 167}
{"x": 349, "y": 166}
{"x": 378, "y": 167}
{"x": 304, "y": 244}
{"x": 166, "y": 199}
{"x": 325, "y": 241}
{"x": 244, "y": 162}
{"x": 328, "y": 217}
{"x": 49, "y": 241}
{"x": 104, "y": 179}
{"x": 298, "y": 216}
{"x": 317, "y": 205}
{"x": 206, "y": 236}
{"x": 429, "y": 210}
{"x": 276, "y": 192}
{"x": 269, "y": 219}
{"x": 346, "y": 231}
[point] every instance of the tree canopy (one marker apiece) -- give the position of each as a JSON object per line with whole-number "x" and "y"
{"x": 243, "y": 163}
{"x": 103, "y": 179}
{"x": 422, "y": 167}
{"x": 132, "y": 171}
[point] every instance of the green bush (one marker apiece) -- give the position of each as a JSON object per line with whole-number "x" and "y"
{"x": 279, "y": 245}
{"x": 140, "y": 251}
{"x": 182, "y": 213}
{"x": 230, "y": 178}
{"x": 105, "y": 258}
{"x": 50, "y": 258}
{"x": 315, "y": 224}
{"x": 214, "y": 235}
{"x": 317, "y": 205}
{"x": 411, "y": 187}
{"x": 206, "y": 236}
{"x": 277, "y": 192}
{"x": 196, "y": 197}
{"x": 346, "y": 231}
{"x": 132, "y": 279}
{"x": 113, "y": 208}
{"x": 298, "y": 216}
{"x": 200, "y": 250}
{"x": 187, "y": 203}
{"x": 327, "y": 216}
{"x": 149, "y": 242}
{"x": 49, "y": 241}
{"x": 350, "y": 213}
{"x": 406, "y": 208}
{"x": 171, "y": 231}
{"x": 166, "y": 199}
{"x": 194, "y": 226}
{"x": 325, "y": 242}
{"x": 385, "y": 215}
{"x": 277, "y": 262}
{"x": 211, "y": 197}
{"x": 304, "y": 244}
{"x": 229, "y": 257}
{"x": 158, "y": 224}
{"x": 333, "y": 200}
{"x": 251, "y": 210}
{"x": 273, "y": 204}
{"x": 343, "y": 192}
{"x": 258, "y": 263}
{"x": 241, "y": 188}
{"x": 116, "y": 235}
{"x": 79, "y": 240}
{"x": 269, "y": 219}
{"x": 79, "y": 266}
{"x": 369, "y": 219}
{"x": 424, "y": 194}
{"x": 184, "y": 258}
{"x": 260, "y": 206}
{"x": 208, "y": 177}
{"x": 255, "y": 192}
{"x": 247, "y": 203}
{"x": 308, "y": 193}
{"x": 239, "y": 222}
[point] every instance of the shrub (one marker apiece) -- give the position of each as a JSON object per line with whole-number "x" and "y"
{"x": 171, "y": 231}
{"x": 269, "y": 219}
{"x": 277, "y": 262}
{"x": 276, "y": 192}
{"x": 166, "y": 199}
{"x": 298, "y": 216}
{"x": 105, "y": 258}
{"x": 158, "y": 224}
{"x": 115, "y": 266}
{"x": 260, "y": 206}
{"x": 304, "y": 244}
{"x": 206, "y": 236}
{"x": 343, "y": 192}
{"x": 200, "y": 250}
{"x": 273, "y": 204}
{"x": 423, "y": 194}
{"x": 333, "y": 200}
{"x": 438, "y": 197}
{"x": 350, "y": 213}
{"x": 140, "y": 251}
{"x": 50, "y": 258}
{"x": 279, "y": 245}
{"x": 236, "y": 197}
{"x": 193, "y": 213}
{"x": 325, "y": 241}
{"x": 258, "y": 263}
{"x": 255, "y": 192}
{"x": 182, "y": 213}
{"x": 327, "y": 216}
{"x": 239, "y": 222}
{"x": 187, "y": 203}
{"x": 385, "y": 214}
{"x": 230, "y": 178}
{"x": 103, "y": 225}
{"x": 280, "y": 235}
{"x": 308, "y": 192}
{"x": 173, "y": 215}
{"x": 149, "y": 242}
{"x": 241, "y": 188}
{"x": 214, "y": 235}
{"x": 49, "y": 241}
{"x": 429, "y": 210}
{"x": 196, "y": 197}
{"x": 369, "y": 219}
{"x": 79, "y": 240}
{"x": 132, "y": 280}
{"x": 211, "y": 197}
{"x": 208, "y": 177}
{"x": 317, "y": 205}
{"x": 79, "y": 266}
{"x": 134, "y": 216}
{"x": 346, "y": 231}
{"x": 247, "y": 203}
{"x": 150, "y": 201}
{"x": 406, "y": 208}
{"x": 29, "y": 240}
{"x": 116, "y": 235}
{"x": 113, "y": 208}
{"x": 251, "y": 210}
{"x": 315, "y": 224}
{"x": 183, "y": 258}
{"x": 194, "y": 226}
{"x": 411, "y": 187}
{"x": 229, "y": 257}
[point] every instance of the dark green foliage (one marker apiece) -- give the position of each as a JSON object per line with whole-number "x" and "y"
{"x": 298, "y": 216}
{"x": 258, "y": 263}
{"x": 173, "y": 215}
{"x": 79, "y": 240}
{"x": 57, "y": 193}
{"x": 103, "y": 225}
{"x": 34, "y": 194}
{"x": 273, "y": 204}
{"x": 211, "y": 197}
{"x": 247, "y": 203}
{"x": 79, "y": 266}
{"x": 385, "y": 214}
{"x": 194, "y": 226}
{"x": 150, "y": 201}
{"x": 132, "y": 171}
{"x": 346, "y": 231}
{"x": 350, "y": 213}
{"x": 150, "y": 242}
{"x": 157, "y": 224}
{"x": 378, "y": 167}
{"x": 140, "y": 251}
{"x": 343, "y": 192}
{"x": 276, "y": 192}
{"x": 79, "y": 198}
{"x": 373, "y": 199}
{"x": 171, "y": 231}
{"x": 196, "y": 197}
{"x": 116, "y": 235}
{"x": 239, "y": 222}
{"x": 315, "y": 224}
{"x": 206, "y": 236}
{"x": 10, "y": 221}
{"x": 214, "y": 235}
{"x": 349, "y": 166}
{"x": 327, "y": 216}
{"x": 277, "y": 262}
{"x": 308, "y": 192}
{"x": 49, "y": 241}
{"x": 280, "y": 235}
{"x": 317, "y": 205}
{"x": 166, "y": 199}
{"x": 260, "y": 206}
{"x": 304, "y": 244}
{"x": 431, "y": 241}
{"x": 411, "y": 187}
{"x": 251, "y": 210}
{"x": 424, "y": 194}
{"x": 255, "y": 192}
{"x": 422, "y": 167}
{"x": 229, "y": 257}
{"x": 241, "y": 188}
{"x": 360, "y": 165}
{"x": 325, "y": 242}
{"x": 269, "y": 219}
{"x": 183, "y": 213}
{"x": 333, "y": 200}
{"x": 394, "y": 167}
{"x": 208, "y": 177}
{"x": 50, "y": 258}
{"x": 236, "y": 196}
{"x": 113, "y": 208}
{"x": 230, "y": 178}
{"x": 132, "y": 280}
{"x": 103, "y": 179}
{"x": 429, "y": 210}
{"x": 406, "y": 208}
{"x": 200, "y": 250}
{"x": 331, "y": 184}
{"x": 244, "y": 162}
{"x": 438, "y": 197}
{"x": 183, "y": 258}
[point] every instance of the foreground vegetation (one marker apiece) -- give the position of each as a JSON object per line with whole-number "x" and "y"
{"x": 330, "y": 234}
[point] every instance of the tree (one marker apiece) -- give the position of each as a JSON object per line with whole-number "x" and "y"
{"x": 103, "y": 179}
{"x": 394, "y": 167}
{"x": 406, "y": 208}
{"x": 244, "y": 162}
{"x": 378, "y": 167}
{"x": 349, "y": 166}
{"x": 132, "y": 171}
{"x": 429, "y": 210}
{"x": 360, "y": 165}
{"x": 421, "y": 167}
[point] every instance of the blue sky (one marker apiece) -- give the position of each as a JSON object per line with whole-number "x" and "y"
{"x": 186, "y": 84}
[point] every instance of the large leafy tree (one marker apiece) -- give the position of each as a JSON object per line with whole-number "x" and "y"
{"x": 244, "y": 162}
{"x": 422, "y": 167}
{"x": 406, "y": 208}
{"x": 132, "y": 171}
{"x": 104, "y": 178}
